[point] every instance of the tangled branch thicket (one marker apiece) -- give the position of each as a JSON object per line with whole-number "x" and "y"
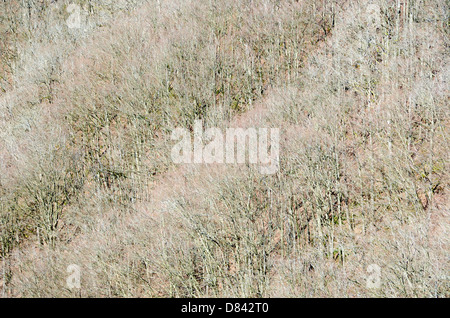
{"x": 358, "y": 88}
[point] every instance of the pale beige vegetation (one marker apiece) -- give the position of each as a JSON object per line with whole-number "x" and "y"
{"x": 358, "y": 88}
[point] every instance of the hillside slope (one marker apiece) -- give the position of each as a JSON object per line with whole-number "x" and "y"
{"x": 358, "y": 90}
